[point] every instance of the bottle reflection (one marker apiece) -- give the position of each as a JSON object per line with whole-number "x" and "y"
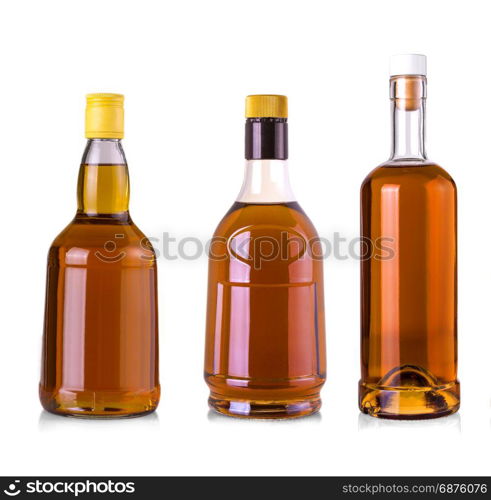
{"x": 49, "y": 422}
{"x": 368, "y": 423}
{"x": 313, "y": 418}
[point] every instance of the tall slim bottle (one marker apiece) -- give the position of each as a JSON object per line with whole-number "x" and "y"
{"x": 265, "y": 346}
{"x": 409, "y": 270}
{"x": 100, "y": 351}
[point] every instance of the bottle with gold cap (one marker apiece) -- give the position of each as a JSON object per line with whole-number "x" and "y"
{"x": 265, "y": 344}
{"x": 409, "y": 269}
{"x": 100, "y": 356}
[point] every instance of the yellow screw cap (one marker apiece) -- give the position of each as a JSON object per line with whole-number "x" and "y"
{"x": 104, "y": 116}
{"x": 266, "y": 106}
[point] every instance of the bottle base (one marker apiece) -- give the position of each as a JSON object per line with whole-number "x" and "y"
{"x": 84, "y": 415}
{"x": 409, "y": 393}
{"x": 100, "y": 405}
{"x": 241, "y": 408}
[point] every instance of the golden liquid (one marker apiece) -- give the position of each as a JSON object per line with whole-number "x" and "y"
{"x": 100, "y": 349}
{"x": 103, "y": 189}
{"x": 265, "y": 344}
{"x": 409, "y": 301}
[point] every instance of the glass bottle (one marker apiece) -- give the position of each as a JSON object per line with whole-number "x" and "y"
{"x": 409, "y": 267}
{"x": 265, "y": 345}
{"x": 100, "y": 347}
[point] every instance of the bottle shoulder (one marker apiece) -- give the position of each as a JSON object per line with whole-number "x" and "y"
{"x": 84, "y": 242}
{"x": 92, "y": 229}
{"x": 261, "y": 244}
{"x": 408, "y": 173}
{"x": 264, "y": 217}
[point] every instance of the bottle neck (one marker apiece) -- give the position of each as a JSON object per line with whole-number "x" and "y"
{"x": 266, "y": 139}
{"x": 266, "y": 181}
{"x": 266, "y": 177}
{"x": 103, "y": 182}
{"x": 408, "y": 101}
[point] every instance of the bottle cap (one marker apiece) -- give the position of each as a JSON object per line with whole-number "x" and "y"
{"x": 408, "y": 64}
{"x": 104, "y": 116}
{"x": 266, "y": 106}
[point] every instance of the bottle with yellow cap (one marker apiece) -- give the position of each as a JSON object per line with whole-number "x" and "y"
{"x": 100, "y": 354}
{"x": 265, "y": 345}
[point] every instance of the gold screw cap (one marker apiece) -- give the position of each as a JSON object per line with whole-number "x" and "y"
{"x": 104, "y": 116}
{"x": 266, "y": 106}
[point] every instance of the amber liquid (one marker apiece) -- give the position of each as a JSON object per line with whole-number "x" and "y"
{"x": 409, "y": 293}
{"x": 100, "y": 352}
{"x": 265, "y": 345}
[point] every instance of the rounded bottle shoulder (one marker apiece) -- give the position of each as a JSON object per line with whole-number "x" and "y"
{"x": 263, "y": 217}
{"x": 266, "y": 244}
{"x": 408, "y": 173}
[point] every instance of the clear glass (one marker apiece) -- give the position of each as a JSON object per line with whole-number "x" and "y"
{"x": 100, "y": 347}
{"x": 265, "y": 344}
{"x": 408, "y": 101}
{"x": 409, "y": 276}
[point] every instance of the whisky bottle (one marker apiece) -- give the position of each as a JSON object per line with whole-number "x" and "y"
{"x": 100, "y": 351}
{"x": 265, "y": 345}
{"x": 409, "y": 267}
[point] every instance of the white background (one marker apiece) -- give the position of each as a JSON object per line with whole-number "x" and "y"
{"x": 185, "y": 68}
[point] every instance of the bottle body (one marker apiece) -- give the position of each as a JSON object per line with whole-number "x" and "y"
{"x": 409, "y": 292}
{"x": 265, "y": 346}
{"x": 100, "y": 349}
{"x": 100, "y": 344}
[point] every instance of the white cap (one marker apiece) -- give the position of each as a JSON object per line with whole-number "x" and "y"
{"x": 408, "y": 64}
